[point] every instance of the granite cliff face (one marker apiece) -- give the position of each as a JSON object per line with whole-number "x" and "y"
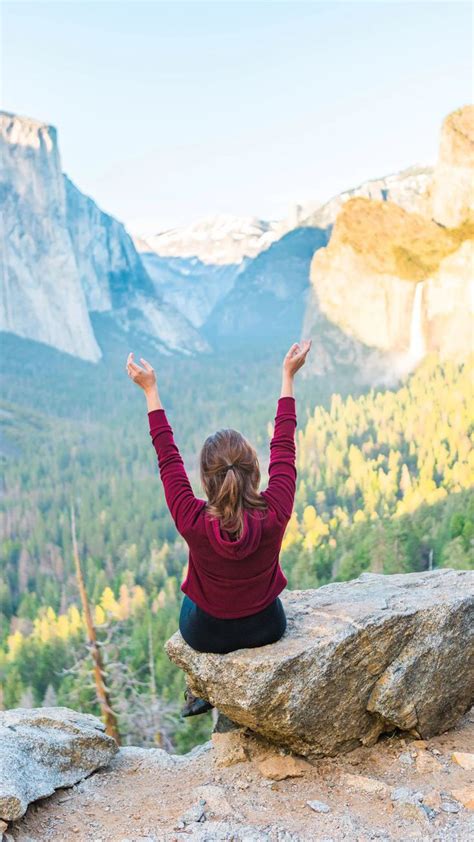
{"x": 62, "y": 257}
{"x": 453, "y": 183}
{"x": 115, "y": 280}
{"x": 42, "y": 295}
{"x": 397, "y": 281}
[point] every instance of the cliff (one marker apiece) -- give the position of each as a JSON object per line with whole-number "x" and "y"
{"x": 115, "y": 280}
{"x": 42, "y": 295}
{"x": 62, "y": 257}
{"x": 399, "y": 281}
{"x": 453, "y": 184}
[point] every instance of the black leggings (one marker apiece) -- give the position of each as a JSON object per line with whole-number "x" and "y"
{"x": 206, "y": 633}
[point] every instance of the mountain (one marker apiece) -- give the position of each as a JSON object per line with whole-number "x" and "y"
{"x": 188, "y": 284}
{"x": 409, "y": 189}
{"x": 267, "y": 301}
{"x": 63, "y": 258}
{"x": 218, "y": 240}
{"x": 116, "y": 281}
{"x": 196, "y": 267}
{"x": 397, "y": 281}
{"x": 269, "y": 298}
{"x": 41, "y": 292}
{"x": 378, "y": 275}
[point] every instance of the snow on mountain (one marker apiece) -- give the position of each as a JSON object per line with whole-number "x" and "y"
{"x": 217, "y": 240}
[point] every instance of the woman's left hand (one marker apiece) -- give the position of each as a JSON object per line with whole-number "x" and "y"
{"x": 143, "y": 377}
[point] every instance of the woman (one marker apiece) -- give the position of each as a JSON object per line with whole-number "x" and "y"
{"x": 234, "y": 536}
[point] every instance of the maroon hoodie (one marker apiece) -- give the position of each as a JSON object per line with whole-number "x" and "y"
{"x": 231, "y": 578}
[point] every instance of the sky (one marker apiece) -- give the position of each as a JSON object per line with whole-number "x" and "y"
{"x": 169, "y": 112}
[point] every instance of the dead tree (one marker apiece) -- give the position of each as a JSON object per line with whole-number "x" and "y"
{"x": 110, "y": 719}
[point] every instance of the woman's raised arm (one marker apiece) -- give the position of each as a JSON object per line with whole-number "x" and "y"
{"x": 280, "y": 492}
{"x": 179, "y": 495}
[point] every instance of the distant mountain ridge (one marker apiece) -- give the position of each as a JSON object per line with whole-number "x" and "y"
{"x": 217, "y": 240}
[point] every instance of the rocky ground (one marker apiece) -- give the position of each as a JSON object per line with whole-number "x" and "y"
{"x": 399, "y": 789}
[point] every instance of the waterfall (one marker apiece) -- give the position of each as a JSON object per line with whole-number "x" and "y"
{"x": 417, "y": 348}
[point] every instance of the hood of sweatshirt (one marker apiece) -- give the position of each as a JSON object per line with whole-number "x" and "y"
{"x": 245, "y": 545}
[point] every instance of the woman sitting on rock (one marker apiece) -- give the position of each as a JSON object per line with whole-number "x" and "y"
{"x": 234, "y": 536}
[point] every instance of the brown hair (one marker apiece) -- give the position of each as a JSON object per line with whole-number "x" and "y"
{"x": 230, "y": 475}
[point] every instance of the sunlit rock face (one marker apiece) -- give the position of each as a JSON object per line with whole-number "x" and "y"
{"x": 396, "y": 280}
{"x": 449, "y": 305}
{"x": 453, "y": 183}
{"x": 365, "y": 280}
{"x": 42, "y": 295}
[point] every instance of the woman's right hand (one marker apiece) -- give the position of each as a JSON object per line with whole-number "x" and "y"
{"x": 296, "y": 357}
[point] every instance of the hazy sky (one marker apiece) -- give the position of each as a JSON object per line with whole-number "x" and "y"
{"x": 167, "y": 112}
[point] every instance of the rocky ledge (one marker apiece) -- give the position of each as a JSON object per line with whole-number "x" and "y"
{"x": 42, "y": 749}
{"x": 359, "y": 658}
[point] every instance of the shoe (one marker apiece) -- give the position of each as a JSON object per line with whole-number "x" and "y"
{"x": 194, "y": 706}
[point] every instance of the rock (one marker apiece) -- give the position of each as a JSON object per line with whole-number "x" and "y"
{"x": 229, "y": 748}
{"x": 358, "y": 658}
{"x": 406, "y": 796}
{"x": 453, "y": 182}
{"x": 426, "y": 763}
{"x": 279, "y": 767}
{"x": 463, "y": 759}
{"x": 413, "y": 812}
{"x": 449, "y": 807}
{"x": 406, "y": 759}
{"x": 432, "y": 799}
{"x": 42, "y": 749}
{"x": 196, "y": 813}
{"x": 319, "y": 806}
{"x": 465, "y": 796}
{"x": 362, "y": 783}
{"x": 217, "y": 803}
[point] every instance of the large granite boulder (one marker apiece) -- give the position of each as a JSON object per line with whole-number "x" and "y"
{"x": 358, "y": 658}
{"x": 42, "y": 749}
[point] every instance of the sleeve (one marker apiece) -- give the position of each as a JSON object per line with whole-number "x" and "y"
{"x": 280, "y": 492}
{"x": 179, "y": 495}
